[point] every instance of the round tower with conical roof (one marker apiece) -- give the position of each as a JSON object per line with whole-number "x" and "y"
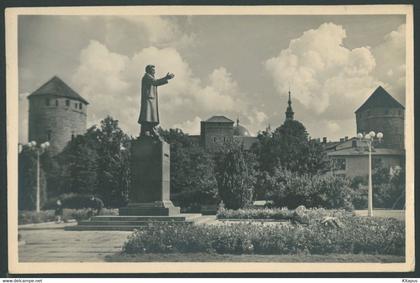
{"x": 56, "y": 114}
{"x": 382, "y": 113}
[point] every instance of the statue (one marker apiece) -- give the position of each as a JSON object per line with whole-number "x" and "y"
{"x": 149, "y": 111}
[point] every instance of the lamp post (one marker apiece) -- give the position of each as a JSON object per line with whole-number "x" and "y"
{"x": 39, "y": 150}
{"x": 368, "y": 138}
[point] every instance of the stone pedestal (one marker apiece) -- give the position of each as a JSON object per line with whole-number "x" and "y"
{"x": 149, "y": 193}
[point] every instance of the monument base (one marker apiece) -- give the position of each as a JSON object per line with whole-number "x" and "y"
{"x": 157, "y": 208}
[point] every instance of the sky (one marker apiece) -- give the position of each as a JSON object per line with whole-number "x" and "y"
{"x": 237, "y": 66}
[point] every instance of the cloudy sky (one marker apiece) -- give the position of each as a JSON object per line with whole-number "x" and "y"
{"x": 238, "y": 66}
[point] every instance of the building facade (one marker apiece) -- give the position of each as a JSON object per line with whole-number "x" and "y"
{"x": 56, "y": 114}
{"x": 380, "y": 113}
{"x": 217, "y": 130}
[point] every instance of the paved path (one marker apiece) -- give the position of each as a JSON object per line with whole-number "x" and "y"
{"x": 49, "y": 242}
{"x": 398, "y": 214}
{"x": 57, "y": 245}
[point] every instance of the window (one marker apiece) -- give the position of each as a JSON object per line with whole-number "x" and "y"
{"x": 47, "y": 101}
{"x": 67, "y": 102}
{"x": 215, "y": 139}
{"x": 80, "y": 106}
{"x": 56, "y": 102}
{"x": 75, "y": 105}
{"x": 339, "y": 164}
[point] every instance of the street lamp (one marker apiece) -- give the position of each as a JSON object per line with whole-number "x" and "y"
{"x": 39, "y": 150}
{"x": 368, "y": 138}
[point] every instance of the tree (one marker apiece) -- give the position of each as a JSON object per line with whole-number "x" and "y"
{"x": 236, "y": 175}
{"x": 27, "y": 183}
{"x": 95, "y": 163}
{"x": 78, "y": 166}
{"x": 113, "y": 174}
{"x": 290, "y": 148}
{"x": 192, "y": 171}
{"x": 291, "y": 189}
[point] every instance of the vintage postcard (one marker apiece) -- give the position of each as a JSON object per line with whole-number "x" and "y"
{"x": 162, "y": 139}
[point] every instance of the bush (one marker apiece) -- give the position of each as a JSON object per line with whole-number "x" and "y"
{"x": 357, "y": 235}
{"x": 388, "y": 189}
{"x": 31, "y": 217}
{"x": 288, "y": 189}
{"x": 277, "y": 213}
{"x": 72, "y": 200}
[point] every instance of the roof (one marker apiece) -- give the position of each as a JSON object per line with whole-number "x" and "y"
{"x": 247, "y": 142}
{"x": 378, "y": 99}
{"x": 240, "y": 130}
{"x": 219, "y": 119}
{"x": 357, "y": 151}
{"x": 55, "y": 86}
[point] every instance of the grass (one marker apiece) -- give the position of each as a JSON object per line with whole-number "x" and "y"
{"x": 205, "y": 257}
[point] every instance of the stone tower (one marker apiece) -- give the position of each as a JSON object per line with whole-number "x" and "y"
{"x": 56, "y": 114}
{"x": 382, "y": 113}
{"x": 289, "y": 111}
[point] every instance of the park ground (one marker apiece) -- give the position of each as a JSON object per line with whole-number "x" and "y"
{"x": 49, "y": 242}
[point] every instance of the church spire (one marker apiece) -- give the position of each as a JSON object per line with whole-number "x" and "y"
{"x": 289, "y": 111}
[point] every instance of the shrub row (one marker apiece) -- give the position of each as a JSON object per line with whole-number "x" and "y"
{"x": 357, "y": 235}
{"x": 30, "y": 217}
{"x": 277, "y": 213}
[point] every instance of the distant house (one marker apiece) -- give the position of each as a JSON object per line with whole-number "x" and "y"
{"x": 218, "y": 130}
{"x": 380, "y": 113}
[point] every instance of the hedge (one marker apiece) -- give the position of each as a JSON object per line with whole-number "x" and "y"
{"x": 30, "y": 217}
{"x": 357, "y": 235}
{"x": 277, "y": 213}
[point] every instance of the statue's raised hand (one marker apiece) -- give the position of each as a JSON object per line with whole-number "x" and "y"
{"x": 169, "y": 76}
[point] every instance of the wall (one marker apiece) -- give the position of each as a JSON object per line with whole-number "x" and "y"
{"x": 55, "y": 122}
{"x": 389, "y": 121}
{"x": 359, "y": 165}
{"x": 214, "y": 134}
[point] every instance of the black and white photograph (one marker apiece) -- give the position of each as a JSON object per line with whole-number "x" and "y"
{"x": 210, "y": 139}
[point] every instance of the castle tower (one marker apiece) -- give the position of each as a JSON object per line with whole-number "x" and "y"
{"x": 382, "y": 113}
{"x": 56, "y": 114}
{"x": 289, "y": 111}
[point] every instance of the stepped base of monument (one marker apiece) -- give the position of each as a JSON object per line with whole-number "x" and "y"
{"x": 158, "y": 208}
{"x": 129, "y": 223}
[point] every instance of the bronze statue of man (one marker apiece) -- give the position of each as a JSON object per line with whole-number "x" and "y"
{"x": 149, "y": 111}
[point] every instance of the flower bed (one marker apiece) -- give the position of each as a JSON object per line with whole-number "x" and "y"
{"x": 276, "y": 213}
{"x": 30, "y": 217}
{"x": 357, "y": 235}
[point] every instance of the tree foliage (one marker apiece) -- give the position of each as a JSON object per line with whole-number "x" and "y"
{"x": 290, "y": 147}
{"x": 236, "y": 175}
{"x": 27, "y": 182}
{"x": 95, "y": 163}
{"x": 291, "y": 189}
{"x": 193, "y": 180}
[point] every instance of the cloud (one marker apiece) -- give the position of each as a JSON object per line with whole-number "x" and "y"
{"x": 319, "y": 69}
{"x": 191, "y": 127}
{"x": 23, "y": 117}
{"x": 390, "y": 56}
{"x": 142, "y": 31}
{"x": 111, "y": 83}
